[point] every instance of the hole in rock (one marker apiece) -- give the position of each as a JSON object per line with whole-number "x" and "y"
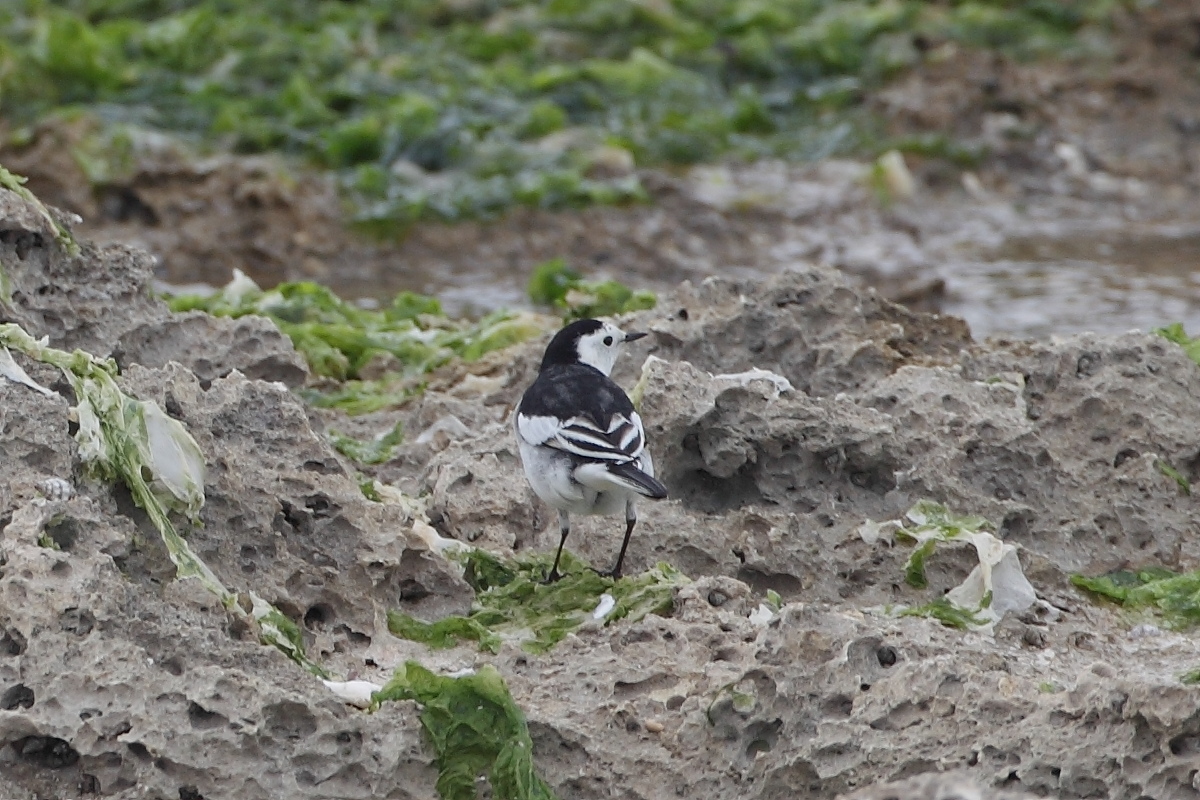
{"x": 48, "y": 752}
{"x": 317, "y": 616}
{"x": 19, "y": 696}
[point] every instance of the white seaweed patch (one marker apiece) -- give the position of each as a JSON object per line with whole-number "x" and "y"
{"x": 174, "y": 458}
{"x": 605, "y": 606}
{"x": 10, "y": 369}
{"x": 996, "y": 586}
{"x": 355, "y": 693}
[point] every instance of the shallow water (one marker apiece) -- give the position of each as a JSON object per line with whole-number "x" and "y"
{"x": 1099, "y": 281}
{"x": 1106, "y": 282}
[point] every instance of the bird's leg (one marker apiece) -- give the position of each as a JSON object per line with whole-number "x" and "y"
{"x": 630, "y": 521}
{"x": 564, "y": 527}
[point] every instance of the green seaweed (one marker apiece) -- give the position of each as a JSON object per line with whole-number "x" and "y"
{"x": 339, "y": 339}
{"x": 1176, "y": 333}
{"x": 914, "y": 568}
{"x": 447, "y": 632}
{"x": 947, "y": 613}
{"x": 970, "y": 604}
{"x": 476, "y": 730}
{"x": 1166, "y": 469}
{"x": 366, "y": 485}
{"x": 374, "y": 451}
{"x": 774, "y": 601}
{"x": 365, "y": 397}
{"x": 513, "y": 604}
{"x": 1173, "y": 597}
{"x": 555, "y": 283}
{"x": 16, "y": 183}
{"x": 933, "y": 523}
{"x": 447, "y": 111}
{"x": 133, "y": 441}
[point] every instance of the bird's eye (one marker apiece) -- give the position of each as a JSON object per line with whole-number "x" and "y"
{"x": 608, "y": 341}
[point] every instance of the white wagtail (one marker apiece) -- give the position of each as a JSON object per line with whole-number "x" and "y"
{"x": 581, "y": 442}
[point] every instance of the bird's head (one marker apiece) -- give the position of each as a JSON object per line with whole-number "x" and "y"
{"x": 588, "y": 341}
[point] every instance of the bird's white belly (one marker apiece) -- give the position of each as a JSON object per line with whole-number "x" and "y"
{"x": 550, "y": 474}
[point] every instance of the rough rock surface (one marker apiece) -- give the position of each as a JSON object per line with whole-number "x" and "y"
{"x": 117, "y": 680}
{"x": 212, "y": 347}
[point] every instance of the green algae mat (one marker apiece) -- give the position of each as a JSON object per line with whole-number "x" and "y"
{"x": 448, "y": 110}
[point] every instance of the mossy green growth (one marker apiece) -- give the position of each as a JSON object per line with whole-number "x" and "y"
{"x": 444, "y": 633}
{"x": 1176, "y": 333}
{"x": 357, "y": 397}
{"x": 476, "y": 730}
{"x": 373, "y": 451}
{"x": 133, "y": 441}
{"x": 946, "y": 613}
{"x": 366, "y": 485}
{"x": 934, "y": 523}
{"x": 338, "y": 339}
{"x": 554, "y": 283}
{"x": 16, "y": 183}
{"x": 512, "y": 603}
{"x": 1184, "y": 484}
{"x": 453, "y": 110}
{"x": 1171, "y": 596}
{"x": 774, "y": 601}
{"x": 914, "y": 568}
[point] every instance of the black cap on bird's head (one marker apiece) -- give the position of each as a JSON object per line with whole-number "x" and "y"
{"x": 587, "y": 341}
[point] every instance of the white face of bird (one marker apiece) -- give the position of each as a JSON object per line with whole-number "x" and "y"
{"x": 601, "y": 347}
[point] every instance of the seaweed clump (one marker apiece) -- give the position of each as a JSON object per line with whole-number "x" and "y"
{"x": 513, "y": 604}
{"x": 476, "y": 730}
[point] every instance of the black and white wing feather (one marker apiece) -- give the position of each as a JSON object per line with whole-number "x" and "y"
{"x": 580, "y": 411}
{"x": 621, "y": 440}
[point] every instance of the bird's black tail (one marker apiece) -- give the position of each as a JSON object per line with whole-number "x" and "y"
{"x": 638, "y": 481}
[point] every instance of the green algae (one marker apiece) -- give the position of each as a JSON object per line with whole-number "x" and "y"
{"x": 16, "y": 183}
{"x": 372, "y": 451}
{"x": 134, "y": 442}
{"x": 996, "y": 585}
{"x": 947, "y": 613}
{"x": 1169, "y": 597}
{"x": 1172, "y": 597}
{"x": 933, "y": 523}
{"x": 554, "y": 283}
{"x": 476, "y": 730}
{"x": 513, "y": 604}
{"x": 339, "y": 339}
{"x": 1180, "y": 479}
{"x": 1176, "y": 333}
{"x": 452, "y": 110}
{"x": 914, "y": 568}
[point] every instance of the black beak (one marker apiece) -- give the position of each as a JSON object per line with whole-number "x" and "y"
{"x": 630, "y": 337}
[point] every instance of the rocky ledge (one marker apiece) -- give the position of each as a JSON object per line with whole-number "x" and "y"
{"x": 790, "y": 419}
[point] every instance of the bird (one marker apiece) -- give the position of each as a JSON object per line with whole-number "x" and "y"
{"x": 582, "y": 444}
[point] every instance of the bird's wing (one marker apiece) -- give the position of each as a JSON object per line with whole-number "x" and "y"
{"x": 623, "y": 441}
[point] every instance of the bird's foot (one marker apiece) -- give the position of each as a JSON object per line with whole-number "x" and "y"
{"x": 613, "y": 573}
{"x": 553, "y": 576}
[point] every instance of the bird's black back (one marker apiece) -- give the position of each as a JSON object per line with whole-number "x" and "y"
{"x": 569, "y": 390}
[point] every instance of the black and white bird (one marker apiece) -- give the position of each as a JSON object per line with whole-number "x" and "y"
{"x": 581, "y": 442}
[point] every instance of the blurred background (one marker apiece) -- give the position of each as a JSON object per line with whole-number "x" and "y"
{"x": 1030, "y": 165}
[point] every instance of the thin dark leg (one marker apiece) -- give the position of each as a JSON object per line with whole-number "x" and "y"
{"x": 630, "y": 521}
{"x": 564, "y": 526}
